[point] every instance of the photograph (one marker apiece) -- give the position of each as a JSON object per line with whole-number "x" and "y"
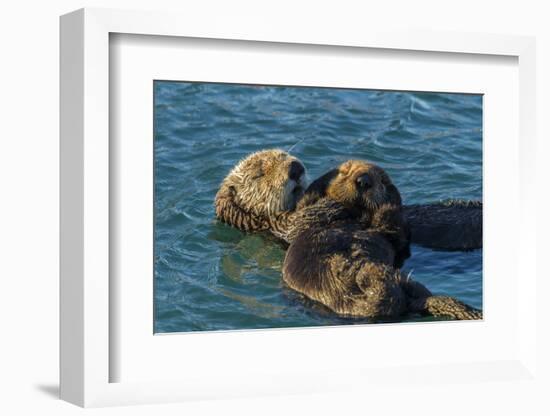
{"x": 279, "y": 206}
{"x": 260, "y": 208}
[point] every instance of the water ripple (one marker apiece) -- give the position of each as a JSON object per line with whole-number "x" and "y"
{"x": 210, "y": 276}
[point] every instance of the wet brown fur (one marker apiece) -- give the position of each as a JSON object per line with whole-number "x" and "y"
{"x": 351, "y": 267}
{"x": 348, "y": 269}
{"x": 447, "y": 225}
{"x": 340, "y": 185}
{"x": 257, "y": 190}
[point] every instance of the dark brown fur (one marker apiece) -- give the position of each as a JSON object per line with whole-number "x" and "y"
{"x": 351, "y": 267}
{"x": 446, "y": 225}
{"x": 347, "y": 268}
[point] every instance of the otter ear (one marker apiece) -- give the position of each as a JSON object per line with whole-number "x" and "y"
{"x": 318, "y": 188}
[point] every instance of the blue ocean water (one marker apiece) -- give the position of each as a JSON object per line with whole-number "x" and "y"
{"x": 209, "y": 276}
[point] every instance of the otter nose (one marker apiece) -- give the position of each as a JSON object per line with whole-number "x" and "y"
{"x": 364, "y": 181}
{"x": 295, "y": 170}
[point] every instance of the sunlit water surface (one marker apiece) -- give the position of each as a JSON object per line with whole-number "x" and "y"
{"x": 209, "y": 276}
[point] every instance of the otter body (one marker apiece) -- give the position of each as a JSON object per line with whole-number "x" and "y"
{"x": 447, "y": 225}
{"x": 347, "y": 268}
{"x": 353, "y": 269}
{"x": 352, "y": 266}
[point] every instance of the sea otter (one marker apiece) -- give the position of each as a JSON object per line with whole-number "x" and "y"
{"x": 351, "y": 267}
{"x": 244, "y": 200}
{"x": 273, "y": 182}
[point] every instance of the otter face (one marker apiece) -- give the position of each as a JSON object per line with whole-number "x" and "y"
{"x": 356, "y": 183}
{"x": 263, "y": 184}
{"x": 360, "y": 183}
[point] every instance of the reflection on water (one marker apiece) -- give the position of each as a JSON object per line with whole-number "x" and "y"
{"x": 210, "y": 276}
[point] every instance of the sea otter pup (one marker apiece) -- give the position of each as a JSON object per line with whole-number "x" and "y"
{"x": 351, "y": 267}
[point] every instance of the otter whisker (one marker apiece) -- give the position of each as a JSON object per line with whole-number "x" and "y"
{"x": 294, "y": 145}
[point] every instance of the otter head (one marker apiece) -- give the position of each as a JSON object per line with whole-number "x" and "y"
{"x": 367, "y": 191}
{"x": 260, "y": 186}
{"x": 357, "y": 185}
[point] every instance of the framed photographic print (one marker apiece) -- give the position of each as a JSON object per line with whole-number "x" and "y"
{"x": 248, "y": 213}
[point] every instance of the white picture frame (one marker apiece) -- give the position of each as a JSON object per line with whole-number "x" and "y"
{"x": 86, "y": 290}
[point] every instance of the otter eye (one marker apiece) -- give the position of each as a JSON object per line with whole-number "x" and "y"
{"x": 364, "y": 181}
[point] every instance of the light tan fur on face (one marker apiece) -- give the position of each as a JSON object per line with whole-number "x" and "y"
{"x": 343, "y": 187}
{"x": 259, "y": 186}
